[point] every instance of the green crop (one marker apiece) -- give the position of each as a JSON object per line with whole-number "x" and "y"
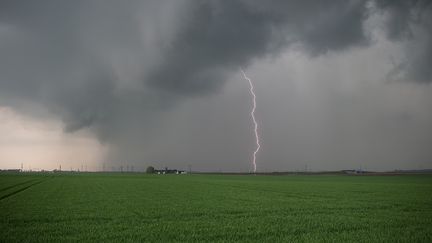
{"x": 138, "y": 207}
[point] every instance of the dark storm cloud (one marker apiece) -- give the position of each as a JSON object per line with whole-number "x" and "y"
{"x": 115, "y": 66}
{"x": 412, "y": 21}
{"x": 62, "y": 54}
{"x": 52, "y": 54}
{"x": 225, "y": 35}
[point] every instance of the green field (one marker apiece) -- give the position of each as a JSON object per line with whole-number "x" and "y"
{"x": 138, "y": 207}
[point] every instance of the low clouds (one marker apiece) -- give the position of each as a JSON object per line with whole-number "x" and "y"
{"x": 88, "y": 60}
{"x": 411, "y": 22}
{"x": 218, "y": 37}
{"x": 119, "y": 67}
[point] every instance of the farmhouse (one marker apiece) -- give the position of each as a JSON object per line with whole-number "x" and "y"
{"x": 353, "y": 171}
{"x": 168, "y": 171}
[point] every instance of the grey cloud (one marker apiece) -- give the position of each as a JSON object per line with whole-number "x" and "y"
{"x": 64, "y": 55}
{"x": 219, "y": 36}
{"x": 399, "y": 16}
{"x": 410, "y": 21}
{"x": 117, "y": 67}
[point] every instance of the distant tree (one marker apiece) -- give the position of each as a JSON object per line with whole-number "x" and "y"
{"x": 150, "y": 170}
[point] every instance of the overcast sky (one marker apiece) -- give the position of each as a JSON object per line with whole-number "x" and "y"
{"x": 340, "y": 84}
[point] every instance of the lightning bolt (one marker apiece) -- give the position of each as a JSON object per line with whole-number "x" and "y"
{"x": 258, "y": 145}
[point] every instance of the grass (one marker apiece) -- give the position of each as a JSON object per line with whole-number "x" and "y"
{"x": 138, "y": 207}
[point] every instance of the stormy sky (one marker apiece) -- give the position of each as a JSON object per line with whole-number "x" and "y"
{"x": 340, "y": 84}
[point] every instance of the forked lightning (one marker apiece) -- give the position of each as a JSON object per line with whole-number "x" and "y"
{"x": 258, "y": 145}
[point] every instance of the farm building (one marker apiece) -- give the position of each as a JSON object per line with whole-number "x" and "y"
{"x": 169, "y": 171}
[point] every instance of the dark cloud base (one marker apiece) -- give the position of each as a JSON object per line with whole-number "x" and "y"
{"x": 71, "y": 56}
